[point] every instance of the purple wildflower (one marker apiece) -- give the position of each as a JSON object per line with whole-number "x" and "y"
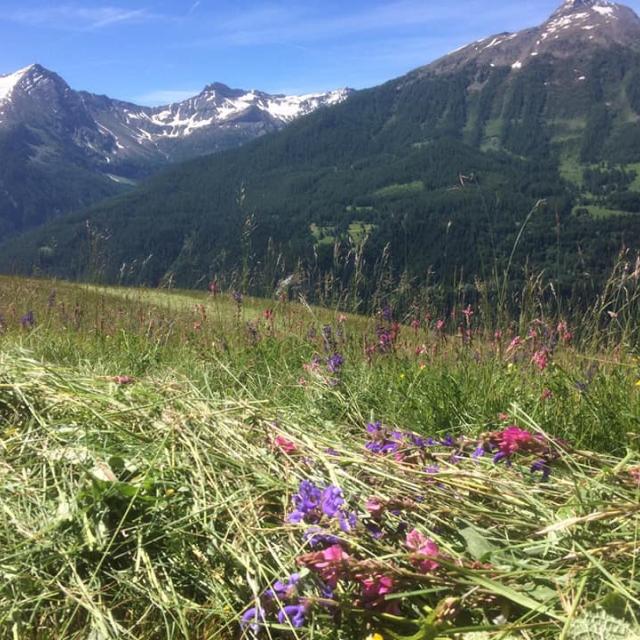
{"x": 237, "y": 296}
{"x": 311, "y": 504}
{"x": 317, "y": 537}
{"x": 253, "y": 618}
{"x": 326, "y": 591}
{"x": 478, "y": 453}
{"x": 335, "y": 362}
{"x": 348, "y": 521}
{"x": 28, "y": 320}
{"x": 374, "y": 530}
{"x": 383, "y": 442}
{"x": 295, "y": 614}
{"x": 385, "y": 339}
{"x": 448, "y": 441}
{"x": 327, "y": 338}
{"x": 283, "y": 590}
{"x": 418, "y": 441}
{"x": 542, "y": 466}
{"x": 383, "y": 447}
{"x": 306, "y": 503}
{"x": 332, "y": 500}
{"x": 374, "y": 427}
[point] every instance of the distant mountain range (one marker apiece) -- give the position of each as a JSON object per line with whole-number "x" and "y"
{"x": 62, "y": 149}
{"x": 438, "y": 169}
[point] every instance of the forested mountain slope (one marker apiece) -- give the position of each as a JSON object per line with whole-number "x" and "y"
{"x": 439, "y": 169}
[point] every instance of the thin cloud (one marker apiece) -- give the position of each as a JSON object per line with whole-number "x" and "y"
{"x": 280, "y": 24}
{"x": 73, "y": 17}
{"x": 193, "y": 7}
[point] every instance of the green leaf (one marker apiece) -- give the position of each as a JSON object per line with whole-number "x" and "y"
{"x": 615, "y": 605}
{"x": 514, "y": 596}
{"x": 601, "y": 626}
{"x": 478, "y": 547}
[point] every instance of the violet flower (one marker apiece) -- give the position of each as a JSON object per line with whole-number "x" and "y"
{"x": 28, "y": 320}
{"x": 541, "y": 466}
{"x": 318, "y": 537}
{"x": 253, "y": 618}
{"x": 294, "y": 614}
{"x": 283, "y": 590}
{"x": 334, "y": 363}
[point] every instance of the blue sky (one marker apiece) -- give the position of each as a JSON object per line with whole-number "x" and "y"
{"x": 158, "y": 51}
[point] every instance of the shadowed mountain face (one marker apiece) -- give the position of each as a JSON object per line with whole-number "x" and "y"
{"x": 439, "y": 168}
{"x": 62, "y": 150}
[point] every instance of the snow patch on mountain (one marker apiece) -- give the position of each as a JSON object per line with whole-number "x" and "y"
{"x": 604, "y": 11}
{"x": 9, "y": 82}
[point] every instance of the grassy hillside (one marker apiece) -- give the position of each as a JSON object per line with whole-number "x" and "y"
{"x": 156, "y": 450}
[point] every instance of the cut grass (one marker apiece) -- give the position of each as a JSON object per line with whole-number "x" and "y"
{"x": 157, "y": 509}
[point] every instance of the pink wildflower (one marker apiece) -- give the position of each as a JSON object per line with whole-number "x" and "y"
{"x": 564, "y": 333}
{"x": 541, "y": 359}
{"x": 374, "y": 587}
{"x": 286, "y": 446}
{"x": 374, "y": 590}
{"x": 513, "y": 439}
{"x": 425, "y": 550}
{"x": 330, "y": 564}
{"x": 440, "y": 324}
{"x": 123, "y": 380}
{"x": 514, "y": 344}
{"x": 375, "y": 507}
{"x": 547, "y": 394}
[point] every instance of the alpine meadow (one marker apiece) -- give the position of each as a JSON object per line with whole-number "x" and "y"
{"x": 346, "y": 364}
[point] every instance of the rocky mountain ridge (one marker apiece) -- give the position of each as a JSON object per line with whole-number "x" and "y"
{"x": 51, "y": 135}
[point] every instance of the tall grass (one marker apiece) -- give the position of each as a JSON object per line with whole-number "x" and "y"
{"x": 151, "y": 443}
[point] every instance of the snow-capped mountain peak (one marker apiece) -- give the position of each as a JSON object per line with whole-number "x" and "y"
{"x": 579, "y": 5}
{"x": 577, "y": 26}
{"x": 9, "y": 82}
{"x": 585, "y": 10}
{"x": 220, "y": 105}
{"x": 126, "y": 139}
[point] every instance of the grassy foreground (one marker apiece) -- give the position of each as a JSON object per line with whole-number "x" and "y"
{"x": 175, "y": 465}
